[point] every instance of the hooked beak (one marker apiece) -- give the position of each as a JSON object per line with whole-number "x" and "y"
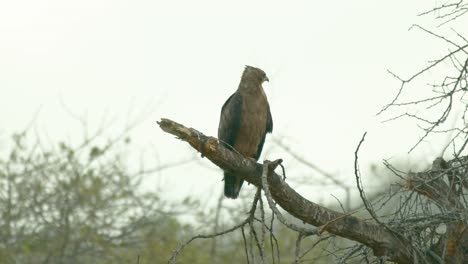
{"x": 266, "y": 79}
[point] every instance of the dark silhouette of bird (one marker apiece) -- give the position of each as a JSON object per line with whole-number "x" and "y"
{"x": 245, "y": 120}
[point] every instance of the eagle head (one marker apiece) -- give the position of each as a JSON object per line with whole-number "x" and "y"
{"x": 254, "y": 74}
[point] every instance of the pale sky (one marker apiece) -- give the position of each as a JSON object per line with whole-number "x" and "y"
{"x": 326, "y": 61}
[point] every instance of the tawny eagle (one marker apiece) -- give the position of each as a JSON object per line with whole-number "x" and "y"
{"x": 245, "y": 121}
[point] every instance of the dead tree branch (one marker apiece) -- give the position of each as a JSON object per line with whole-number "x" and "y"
{"x": 383, "y": 242}
{"x": 268, "y": 168}
{"x": 333, "y": 178}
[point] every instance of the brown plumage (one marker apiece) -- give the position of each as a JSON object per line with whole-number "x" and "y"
{"x": 245, "y": 121}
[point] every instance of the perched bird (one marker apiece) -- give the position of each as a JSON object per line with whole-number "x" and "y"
{"x": 245, "y": 120}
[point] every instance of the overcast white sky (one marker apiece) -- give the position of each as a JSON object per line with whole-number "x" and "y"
{"x": 326, "y": 61}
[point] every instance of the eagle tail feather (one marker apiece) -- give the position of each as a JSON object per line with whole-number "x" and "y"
{"x": 232, "y": 185}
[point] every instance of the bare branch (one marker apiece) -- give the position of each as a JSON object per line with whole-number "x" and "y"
{"x": 239, "y": 226}
{"x": 300, "y": 236}
{"x": 376, "y": 237}
{"x": 268, "y": 167}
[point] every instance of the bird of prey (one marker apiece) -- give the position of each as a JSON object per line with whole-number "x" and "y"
{"x": 245, "y": 120}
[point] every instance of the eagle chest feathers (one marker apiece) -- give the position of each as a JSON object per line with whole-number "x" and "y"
{"x": 253, "y": 122}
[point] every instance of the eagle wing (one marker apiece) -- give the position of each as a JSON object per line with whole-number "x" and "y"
{"x": 269, "y": 127}
{"x": 228, "y": 130}
{"x": 230, "y": 120}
